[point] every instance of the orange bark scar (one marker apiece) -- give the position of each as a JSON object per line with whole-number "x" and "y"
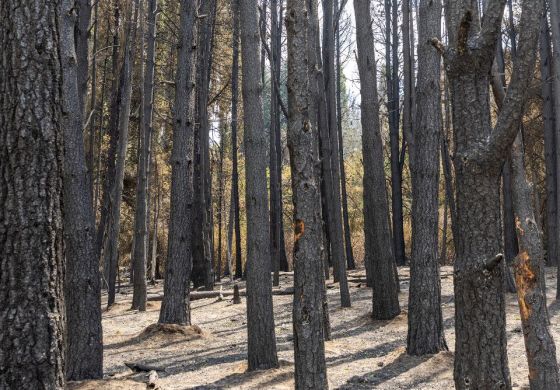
{"x": 299, "y": 229}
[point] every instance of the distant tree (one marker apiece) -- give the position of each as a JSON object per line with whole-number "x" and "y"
{"x": 31, "y": 163}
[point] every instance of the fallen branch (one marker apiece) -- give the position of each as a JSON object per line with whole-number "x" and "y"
{"x": 196, "y": 295}
{"x": 140, "y": 367}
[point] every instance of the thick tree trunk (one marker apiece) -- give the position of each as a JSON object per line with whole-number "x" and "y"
{"x": 82, "y": 289}
{"x": 31, "y": 227}
{"x": 378, "y": 245}
{"x": 309, "y": 348}
{"x": 480, "y": 153}
{"x": 175, "y": 308}
{"x": 335, "y": 213}
{"x": 549, "y": 141}
{"x": 260, "y": 316}
{"x": 141, "y": 220}
{"x": 425, "y": 322}
{"x": 235, "y": 4}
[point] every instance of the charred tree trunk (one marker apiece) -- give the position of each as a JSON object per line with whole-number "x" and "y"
{"x": 378, "y": 244}
{"x": 31, "y": 231}
{"x": 82, "y": 289}
{"x": 425, "y": 322}
{"x": 141, "y": 231}
{"x": 175, "y": 308}
{"x": 260, "y": 317}
{"x": 309, "y": 349}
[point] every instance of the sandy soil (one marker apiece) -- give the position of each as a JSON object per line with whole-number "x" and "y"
{"x": 364, "y": 354}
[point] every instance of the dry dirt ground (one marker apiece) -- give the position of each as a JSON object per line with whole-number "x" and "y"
{"x": 364, "y": 354}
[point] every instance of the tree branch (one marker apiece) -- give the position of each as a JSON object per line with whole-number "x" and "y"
{"x": 491, "y": 25}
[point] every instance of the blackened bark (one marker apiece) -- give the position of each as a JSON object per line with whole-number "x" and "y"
{"x": 378, "y": 244}
{"x": 480, "y": 153}
{"x": 175, "y": 308}
{"x": 425, "y": 322}
{"x": 141, "y": 220}
{"x": 31, "y": 231}
{"x": 82, "y": 289}
{"x": 81, "y": 35}
{"x": 235, "y": 4}
{"x": 335, "y": 212}
{"x": 260, "y": 317}
{"x": 549, "y": 141}
{"x": 309, "y": 349}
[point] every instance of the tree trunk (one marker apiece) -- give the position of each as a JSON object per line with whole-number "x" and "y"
{"x": 260, "y": 317}
{"x": 141, "y": 236}
{"x": 425, "y": 322}
{"x": 175, "y": 308}
{"x": 549, "y": 142}
{"x": 31, "y": 169}
{"x": 309, "y": 348}
{"x": 480, "y": 153}
{"x": 81, "y": 35}
{"x": 154, "y": 271}
{"x": 82, "y": 290}
{"x": 378, "y": 245}
{"x": 234, "y": 118}
{"x": 335, "y": 213}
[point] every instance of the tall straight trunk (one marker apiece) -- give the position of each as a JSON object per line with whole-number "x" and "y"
{"x": 141, "y": 220}
{"x": 392, "y": 75}
{"x": 221, "y": 193}
{"x": 335, "y": 213}
{"x": 154, "y": 271}
{"x": 31, "y": 195}
{"x": 235, "y": 4}
{"x": 481, "y": 150}
{"x": 81, "y": 35}
{"x": 555, "y": 28}
{"x": 260, "y": 317}
{"x": 82, "y": 289}
{"x": 175, "y": 308}
{"x": 549, "y": 141}
{"x": 379, "y": 256}
{"x": 93, "y": 105}
{"x": 425, "y": 320}
{"x": 202, "y": 274}
{"x": 309, "y": 348}
{"x": 229, "y": 246}
{"x": 350, "y": 263}
{"x": 408, "y": 78}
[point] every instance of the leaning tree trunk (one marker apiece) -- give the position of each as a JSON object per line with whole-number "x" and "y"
{"x": 309, "y": 348}
{"x": 175, "y": 308}
{"x": 260, "y": 317}
{"x": 141, "y": 220}
{"x": 31, "y": 163}
{"x": 480, "y": 153}
{"x": 425, "y": 320}
{"x": 335, "y": 213}
{"x": 235, "y": 4}
{"x": 549, "y": 141}
{"x": 82, "y": 288}
{"x": 378, "y": 244}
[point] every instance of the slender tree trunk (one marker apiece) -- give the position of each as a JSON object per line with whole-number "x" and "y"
{"x": 84, "y": 345}
{"x": 309, "y": 348}
{"x": 31, "y": 169}
{"x": 141, "y": 231}
{"x": 81, "y": 35}
{"x": 378, "y": 245}
{"x": 234, "y": 118}
{"x": 549, "y": 141}
{"x": 221, "y": 191}
{"x": 425, "y": 320}
{"x": 335, "y": 217}
{"x": 93, "y": 106}
{"x": 350, "y": 263}
{"x": 260, "y": 316}
{"x": 175, "y": 308}
{"x": 229, "y": 250}
{"x": 154, "y": 271}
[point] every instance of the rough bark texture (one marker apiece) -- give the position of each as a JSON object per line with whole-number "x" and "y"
{"x": 309, "y": 348}
{"x": 235, "y": 4}
{"x": 425, "y": 323}
{"x": 335, "y": 212}
{"x": 141, "y": 236}
{"x": 549, "y": 141}
{"x": 260, "y": 317}
{"x": 31, "y": 161}
{"x": 175, "y": 307}
{"x": 81, "y": 35}
{"x": 480, "y": 347}
{"x": 378, "y": 245}
{"x": 82, "y": 288}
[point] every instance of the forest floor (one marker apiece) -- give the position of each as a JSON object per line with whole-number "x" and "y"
{"x": 364, "y": 354}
